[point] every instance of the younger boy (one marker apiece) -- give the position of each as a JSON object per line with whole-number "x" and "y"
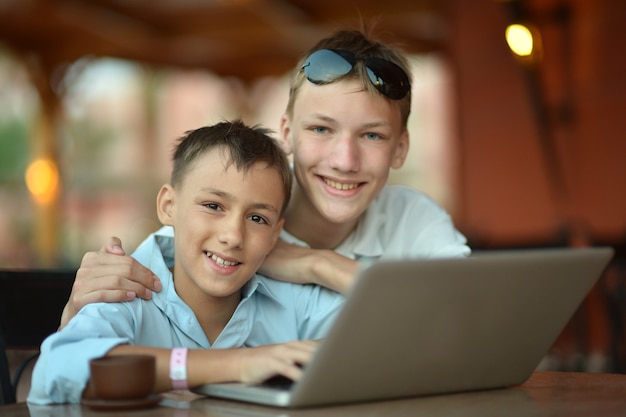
{"x": 229, "y": 187}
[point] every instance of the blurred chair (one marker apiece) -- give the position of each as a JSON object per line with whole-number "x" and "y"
{"x": 31, "y": 303}
{"x": 7, "y": 392}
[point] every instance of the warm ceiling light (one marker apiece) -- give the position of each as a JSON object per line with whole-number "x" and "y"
{"x": 520, "y": 39}
{"x": 42, "y": 180}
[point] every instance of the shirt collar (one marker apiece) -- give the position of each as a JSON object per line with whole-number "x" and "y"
{"x": 259, "y": 284}
{"x": 364, "y": 241}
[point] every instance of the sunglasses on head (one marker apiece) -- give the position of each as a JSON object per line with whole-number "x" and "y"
{"x": 326, "y": 65}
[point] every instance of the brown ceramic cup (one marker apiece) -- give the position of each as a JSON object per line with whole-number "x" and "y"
{"x": 123, "y": 377}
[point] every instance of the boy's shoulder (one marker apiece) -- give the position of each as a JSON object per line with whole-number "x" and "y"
{"x": 281, "y": 291}
{"x": 156, "y": 252}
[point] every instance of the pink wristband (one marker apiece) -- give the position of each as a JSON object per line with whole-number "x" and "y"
{"x": 178, "y": 368}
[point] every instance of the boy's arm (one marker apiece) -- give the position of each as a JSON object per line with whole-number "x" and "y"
{"x": 249, "y": 365}
{"x": 108, "y": 275}
{"x": 61, "y": 373}
{"x": 62, "y": 369}
{"x": 425, "y": 230}
{"x": 303, "y": 265}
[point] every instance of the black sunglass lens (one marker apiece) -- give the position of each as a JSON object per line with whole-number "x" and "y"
{"x": 324, "y": 66}
{"x": 388, "y": 78}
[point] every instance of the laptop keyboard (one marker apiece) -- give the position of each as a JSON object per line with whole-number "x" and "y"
{"x": 278, "y": 382}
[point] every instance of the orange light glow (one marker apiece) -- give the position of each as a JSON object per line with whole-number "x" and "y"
{"x": 42, "y": 180}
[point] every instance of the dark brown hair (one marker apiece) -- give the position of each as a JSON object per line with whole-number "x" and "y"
{"x": 245, "y": 146}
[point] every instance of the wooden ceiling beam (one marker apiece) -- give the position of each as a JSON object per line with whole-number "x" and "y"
{"x": 246, "y": 38}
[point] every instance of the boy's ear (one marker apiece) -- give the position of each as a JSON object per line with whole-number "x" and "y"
{"x": 285, "y": 134}
{"x": 165, "y": 204}
{"x": 401, "y": 151}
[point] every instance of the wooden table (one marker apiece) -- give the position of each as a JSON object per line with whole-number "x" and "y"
{"x": 545, "y": 394}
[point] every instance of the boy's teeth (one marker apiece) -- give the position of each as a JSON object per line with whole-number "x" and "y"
{"x": 339, "y": 185}
{"x": 220, "y": 261}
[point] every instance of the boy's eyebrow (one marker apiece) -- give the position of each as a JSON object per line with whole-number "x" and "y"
{"x": 268, "y": 207}
{"x": 382, "y": 123}
{"x": 227, "y": 195}
{"x": 368, "y": 125}
{"x": 323, "y": 117}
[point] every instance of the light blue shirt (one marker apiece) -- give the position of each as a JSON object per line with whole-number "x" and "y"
{"x": 270, "y": 312}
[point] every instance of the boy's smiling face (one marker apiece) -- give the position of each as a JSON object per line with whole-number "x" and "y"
{"x": 344, "y": 141}
{"x": 226, "y": 221}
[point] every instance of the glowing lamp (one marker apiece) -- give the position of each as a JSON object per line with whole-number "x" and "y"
{"x": 520, "y": 40}
{"x": 42, "y": 180}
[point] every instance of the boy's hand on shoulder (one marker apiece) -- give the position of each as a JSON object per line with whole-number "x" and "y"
{"x": 258, "y": 364}
{"x": 108, "y": 275}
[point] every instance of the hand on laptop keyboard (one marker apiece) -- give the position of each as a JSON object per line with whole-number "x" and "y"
{"x": 280, "y": 382}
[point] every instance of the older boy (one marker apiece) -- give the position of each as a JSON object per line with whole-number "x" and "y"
{"x": 229, "y": 187}
{"x": 346, "y": 124}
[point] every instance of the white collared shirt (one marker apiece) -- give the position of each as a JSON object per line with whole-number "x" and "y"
{"x": 400, "y": 223}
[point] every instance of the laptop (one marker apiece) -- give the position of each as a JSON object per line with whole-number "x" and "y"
{"x": 423, "y": 327}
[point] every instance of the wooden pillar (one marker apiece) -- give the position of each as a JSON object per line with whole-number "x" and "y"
{"x": 44, "y": 147}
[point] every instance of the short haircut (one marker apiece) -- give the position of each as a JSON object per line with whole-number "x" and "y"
{"x": 358, "y": 43}
{"x": 243, "y": 145}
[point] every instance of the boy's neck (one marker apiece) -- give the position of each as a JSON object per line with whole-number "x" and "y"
{"x": 212, "y": 313}
{"x": 306, "y": 224}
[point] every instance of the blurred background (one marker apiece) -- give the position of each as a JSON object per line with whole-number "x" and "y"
{"x": 520, "y": 138}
